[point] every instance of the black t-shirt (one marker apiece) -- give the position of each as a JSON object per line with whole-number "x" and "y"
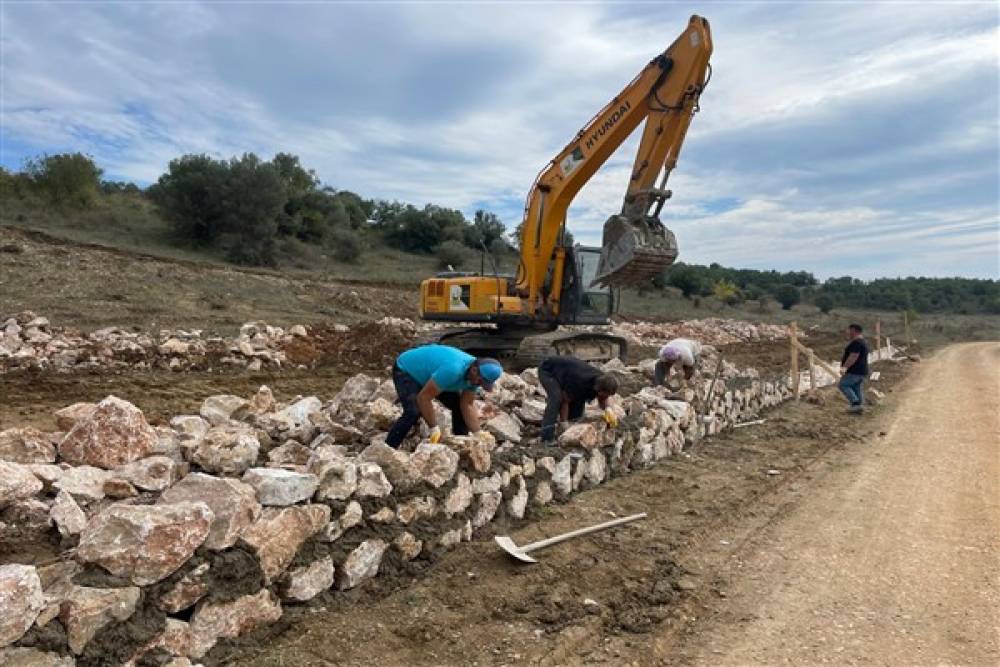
{"x": 859, "y": 367}
{"x": 574, "y": 376}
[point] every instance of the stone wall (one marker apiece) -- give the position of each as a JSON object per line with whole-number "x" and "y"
{"x": 174, "y": 538}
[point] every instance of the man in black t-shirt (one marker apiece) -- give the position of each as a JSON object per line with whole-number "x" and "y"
{"x": 569, "y": 383}
{"x": 854, "y": 369}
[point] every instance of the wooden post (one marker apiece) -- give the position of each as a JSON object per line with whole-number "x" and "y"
{"x": 878, "y": 339}
{"x": 794, "y": 351}
{"x": 812, "y": 372}
{"x": 906, "y": 327}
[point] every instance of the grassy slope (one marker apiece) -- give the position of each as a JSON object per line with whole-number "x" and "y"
{"x": 167, "y": 285}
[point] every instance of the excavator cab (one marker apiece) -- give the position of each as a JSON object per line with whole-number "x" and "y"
{"x": 582, "y": 301}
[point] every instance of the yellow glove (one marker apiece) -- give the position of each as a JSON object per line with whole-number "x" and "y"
{"x": 610, "y": 417}
{"x": 435, "y": 436}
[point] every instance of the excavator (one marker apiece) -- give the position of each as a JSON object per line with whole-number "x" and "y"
{"x": 517, "y": 317}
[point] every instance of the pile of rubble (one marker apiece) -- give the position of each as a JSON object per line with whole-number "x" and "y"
{"x": 710, "y": 331}
{"x": 28, "y": 341}
{"x": 178, "y": 537}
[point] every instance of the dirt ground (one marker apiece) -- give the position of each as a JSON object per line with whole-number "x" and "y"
{"x": 814, "y": 537}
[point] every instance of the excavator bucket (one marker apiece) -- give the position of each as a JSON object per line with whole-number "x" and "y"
{"x": 634, "y": 251}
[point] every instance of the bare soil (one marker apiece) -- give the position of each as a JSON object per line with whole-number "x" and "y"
{"x": 760, "y": 544}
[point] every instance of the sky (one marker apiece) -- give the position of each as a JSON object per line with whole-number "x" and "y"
{"x": 842, "y": 138}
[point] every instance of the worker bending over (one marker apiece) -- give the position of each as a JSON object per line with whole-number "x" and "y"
{"x": 569, "y": 383}
{"x": 424, "y": 373}
{"x": 680, "y": 353}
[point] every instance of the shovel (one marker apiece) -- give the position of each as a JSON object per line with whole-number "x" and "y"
{"x": 521, "y": 553}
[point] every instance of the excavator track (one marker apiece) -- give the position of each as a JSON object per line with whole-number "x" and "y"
{"x": 521, "y": 349}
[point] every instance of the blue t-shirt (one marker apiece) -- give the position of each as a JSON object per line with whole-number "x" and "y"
{"x": 445, "y": 365}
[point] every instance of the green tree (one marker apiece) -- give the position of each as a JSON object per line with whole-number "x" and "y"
{"x": 687, "y": 279}
{"x": 787, "y": 296}
{"x": 191, "y": 196}
{"x": 450, "y": 253}
{"x": 254, "y": 195}
{"x": 485, "y": 229}
{"x": 70, "y": 180}
{"x": 824, "y": 302}
{"x": 726, "y": 292}
{"x": 346, "y": 244}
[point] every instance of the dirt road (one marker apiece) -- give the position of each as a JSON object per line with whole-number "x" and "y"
{"x": 876, "y": 542}
{"x": 895, "y": 559}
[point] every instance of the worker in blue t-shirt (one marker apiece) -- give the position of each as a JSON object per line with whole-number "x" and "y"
{"x": 446, "y": 373}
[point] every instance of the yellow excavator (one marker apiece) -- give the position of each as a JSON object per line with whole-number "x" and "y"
{"x": 558, "y": 284}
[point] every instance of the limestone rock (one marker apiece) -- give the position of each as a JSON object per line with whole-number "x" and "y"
{"x": 358, "y": 389}
{"x": 372, "y": 482}
{"x": 518, "y": 503}
{"x": 175, "y": 639}
{"x": 339, "y": 432}
{"x": 262, "y": 401}
{"x": 361, "y": 564}
{"x": 531, "y": 411}
{"x": 20, "y": 656}
{"x": 396, "y": 464}
{"x": 118, "y": 488}
{"x": 230, "y": 619}
{"x": 381, "y": 414}
{"x": 305, "y": 583}
{"x": 474, "y": 450}
{"x": 487, "y": 484}
{"x": 505, "y": 428}
{"x": 67, "y": 417}
{"x": 154, "y": 473}
{"x": 234, "y": 505}
{"x": 543, "y": 493}
{"x": 579, "y": 472}
{"x": 580, "y": 435}
{"x": 168, "y": 444}
{"x": 16, "y": 483}
{"x": 407, "y": 545}
{"x": 339, "y": 479}
{"x": 278, "y": 488}
{"x": 47, "y": 473}
{"x": 226, "y": 450}
{"x": 190, "y": 588}
{"x": 85, "y": 483}
{"x": 289, "y": 454}
{"x": 298, "y": 412}
{"x": 435, "y": 464}
{"x": 26, "y": 445}
{"x": 277, "y": 535}
{"x": 67, "y": 515}
{"x": 489, "y": 503}
{"x": 114, "y": 434}
{"x": 87, "y": 610}
{"x": 218, "y": 410}
{"x": 562, "y": 477}
{"x": 352, "y": 516}
{"x": 21, "y": 599}
{"x": 424, "y": 507}
{"x": 190, "y": 427}
{"x": 144, "y": 543}
{"x": 460, "y": 497}
{"x": 597, "y": 468}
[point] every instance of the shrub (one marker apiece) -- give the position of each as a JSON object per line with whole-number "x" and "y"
{"x": 450, "y": 253}
{"x": 825, "y": 303}
{"x": 726, "y": 292}
{"x": 346, "y": 245}
{"x": 71, "y": 180}
{"x": 787, "y": 296}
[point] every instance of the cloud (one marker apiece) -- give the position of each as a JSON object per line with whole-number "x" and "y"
{"x": 857, "y": 138}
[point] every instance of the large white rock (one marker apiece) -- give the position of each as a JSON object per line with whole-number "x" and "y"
{"x": 226, "y": 450}
{"x": 277, "y": 487}
{"x": 21, "y": 600}
{"x": 67, "y": 515}
{"x": 487, "y": 508}
{"x": 88, "y": 610}
{"x": 361, "y": 564}
{"x": 21, "y": 656}
{"x": 436, "y": 464}
{"x": 460, "y": 497}
{"x": 26, "y": 445}
{"x": 372, "y": 482}
{"x": 144, "y": 543}
{"x": 396, "y": 464}
{"x": 277, "y": 535}
{"x": 505, "y": 428}
{"x": 562, "y": 478}
{"x": 229, "y": 619}
{"x": 518, "y": 503}
{"x": 580, "y": 435}
{"x": 234, "y": 505}
{"x": 86, "y": 483}
{"x": 190, "y": 427}
{"x": 153, "y": 473}
{"x": 17, "y": 483}
{"x": 114, "y": 434}
{"x": 358, "y": 389}
{"x": 304, "y": 583}
{"x": 338, "y": 479}
{"x": 219, "y": 409}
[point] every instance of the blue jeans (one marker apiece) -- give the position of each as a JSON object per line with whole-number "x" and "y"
{"x": 850, "y": 386}
{"x": 406, "y": 390}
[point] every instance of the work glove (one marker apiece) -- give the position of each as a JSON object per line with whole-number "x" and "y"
{"x": 610, "y": 418}
{"x": 435, "y": 436}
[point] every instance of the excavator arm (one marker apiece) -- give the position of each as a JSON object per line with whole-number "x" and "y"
{"x": 636, "y": 246}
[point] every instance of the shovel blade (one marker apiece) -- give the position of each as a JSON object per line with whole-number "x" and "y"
{"x": 512, "y": 549}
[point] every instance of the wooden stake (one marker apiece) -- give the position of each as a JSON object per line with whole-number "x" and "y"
{"x": 793, "y": 340}
{"x": 827, "y": 367}
{"x": 878, "y": 338}
{"x": 812, "y": 372}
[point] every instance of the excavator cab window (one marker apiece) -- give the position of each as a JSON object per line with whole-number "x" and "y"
{"x": 583, "y": 304}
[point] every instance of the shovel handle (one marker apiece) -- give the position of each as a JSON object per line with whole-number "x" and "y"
{"x": 541, "y": 544}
